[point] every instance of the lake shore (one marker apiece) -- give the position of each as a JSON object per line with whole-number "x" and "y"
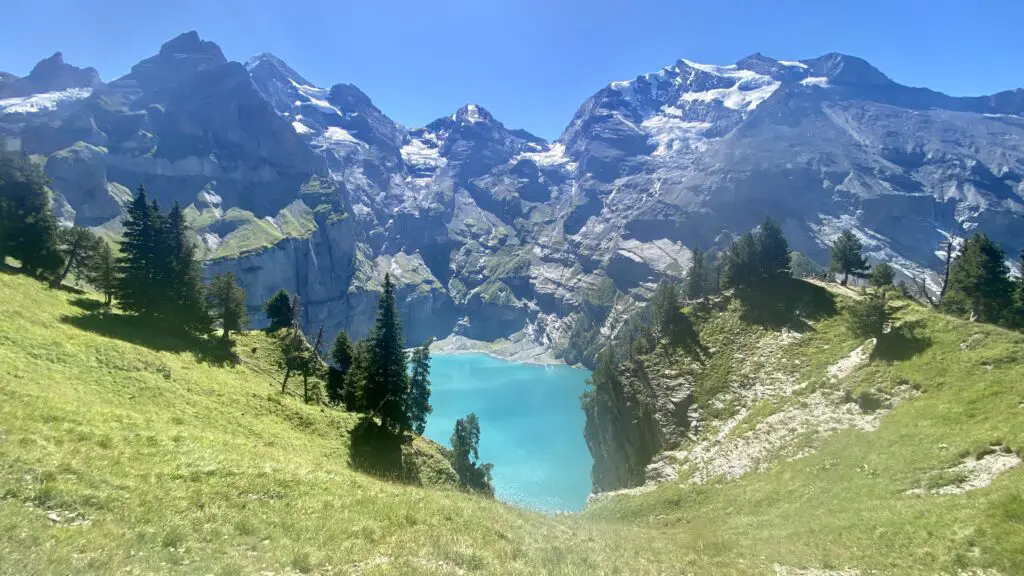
{"x": 519, "y": 348}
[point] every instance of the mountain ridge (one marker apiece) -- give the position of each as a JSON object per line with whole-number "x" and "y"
{"x": 498, "y": 234}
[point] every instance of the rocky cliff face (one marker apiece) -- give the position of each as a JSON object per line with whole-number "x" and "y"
{"x": 492, "y": 232}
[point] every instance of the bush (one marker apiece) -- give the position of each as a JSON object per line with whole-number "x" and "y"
{"x": 869, "y": 316}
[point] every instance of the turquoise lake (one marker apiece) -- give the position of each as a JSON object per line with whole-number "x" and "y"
{"x": 531, "y": 425}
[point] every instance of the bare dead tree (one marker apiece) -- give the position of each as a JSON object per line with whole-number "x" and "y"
{"x": 949, "y": 248}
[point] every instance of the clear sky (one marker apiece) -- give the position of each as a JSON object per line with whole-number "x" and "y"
{"x": 530, "y": 62}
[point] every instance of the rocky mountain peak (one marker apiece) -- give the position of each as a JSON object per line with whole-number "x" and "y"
{"x": 844, "y": 69}
{"x": 266, "y": 64}
{"x": 51, "y": 74}
{"x": 190, "y": 44}
{"x": 472, "y": 113}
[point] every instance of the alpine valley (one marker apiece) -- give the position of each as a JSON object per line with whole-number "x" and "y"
{"x": 492, "y": 234}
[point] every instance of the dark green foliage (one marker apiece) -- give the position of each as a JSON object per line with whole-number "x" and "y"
{"x": 869, "y": 316}
{"x": 227, "y": 302}
{"x": 419, "y": 388}
{"x": 137, "y": 266}
{"x": 280, "y": 310}
{"x": 772, "y": 249}
{"x": 77, "y": 247}
{"x": 584, "y": 342}
{"x": 700, "y": 278}
{"x": 741, "y": 262}
{"x": 181, "y": 276}
{"x": 846, "y": 257}
{"x": 101, "y": 271}
{"x": 300, "y": 357}
{"x": 387, "y": 380}
{"x": 355, "y": 380}
{"x": 757, "y": 258}
{"x": 465, "y": 441}
{"x": 882, "y": 275}
{"x": 342, "y": 353}
{"x": 979, "y": 282}
{"x": 28, "y": 228}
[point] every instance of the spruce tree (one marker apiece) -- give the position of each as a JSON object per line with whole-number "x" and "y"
{"x": 102, "y": 271}
{"x": 741, "y": 262}
{"x": 868, "y": 316}
{"x": 280, "y": 311}
{"x": 186, "y": 302}
{"x": 387, "y": 380}
{"x": 77, "y": 247}
{"x": 846, "y": 257}
{"x": 772, "y": 250}
{"x": 341, "y": 356}
{"x": 465, "y": 442}
{"x": 979, "y": 281}
{"x": 698, "y": 277}
{"x": 227, "y": 302}
{"x": 419, "y": 388}
{"x": 28, "y": 227}
{"x": 882, "y": 275}
{"x": 137, "y": 286}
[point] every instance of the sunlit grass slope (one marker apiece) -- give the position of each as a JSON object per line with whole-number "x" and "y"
{"x": 124, "y": 451}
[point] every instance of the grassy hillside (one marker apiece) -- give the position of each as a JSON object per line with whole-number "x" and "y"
{"x": 122, "y": 451}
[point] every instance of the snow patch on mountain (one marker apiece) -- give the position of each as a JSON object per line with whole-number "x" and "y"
{"x": 553, "y": 155}
{"x": 792, "y": 64}
{"x": 44, "y": 102}
{"x": 815, "y": 81}
{"x": 420, "y": 153}
{"x": 301, "y": 128}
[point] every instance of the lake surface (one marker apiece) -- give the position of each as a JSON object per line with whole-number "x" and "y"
{"x": 531, "y": 425}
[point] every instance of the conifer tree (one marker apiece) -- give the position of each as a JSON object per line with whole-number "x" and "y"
{"x": 387, "y": 380}
{"x": 772, "y": 250}
{"x": 280, "y": 311}
{"x": 341, "y": 355}
{"x": 28, "y": 227}
{"x": 741, "y": 262}
{"x": 77, "y": 247}
{"x": 869, "y": 315}
{"x": 227, "y": 302}
{"x": 137, "y": 286}
{"x": 102, "y": 271}
{"x": 186, "y": 303}
{"x": 465, "y": 442}
{"x": 979, "y": 281}
{"x": 419, "y": 388}
{"x": 882, "y": 275}
{"x": 846, "y": 257}
{"x": 698, "y": 277}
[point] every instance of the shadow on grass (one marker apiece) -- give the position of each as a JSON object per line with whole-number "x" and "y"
{"x": 90, "y": 305}
{"x": 903, "y": 343}
{"x": 380, "y": 453}
{"x": 787, "y": 303}
{"x": 144, "y": 332}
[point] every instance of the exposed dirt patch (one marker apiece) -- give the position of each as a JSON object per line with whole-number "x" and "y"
{"x": 971, "y": 474}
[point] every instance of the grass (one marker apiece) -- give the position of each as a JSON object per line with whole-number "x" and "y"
{"x": 185, "y": 463}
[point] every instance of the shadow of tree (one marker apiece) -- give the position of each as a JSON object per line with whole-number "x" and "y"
{"x": 87, "y": 304}
{"x": 786, "y": 303}
{"x": 380, "y": 453}
{"x": 903, "y": 342}
{"x": 144, "y": 332}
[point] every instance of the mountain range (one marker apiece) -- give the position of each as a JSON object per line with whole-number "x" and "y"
{"x": 494, "y": 234}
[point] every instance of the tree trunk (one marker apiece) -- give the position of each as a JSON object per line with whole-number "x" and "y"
{"x": 225, "y": 335}
{"x": 287, "y": 374}
{"x": 846, "y": 278}
{"x": 945, "y": 274}
{"x": 59, "y": 278}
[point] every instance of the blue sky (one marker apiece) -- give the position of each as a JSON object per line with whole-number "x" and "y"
{"x": 530, "y": 62}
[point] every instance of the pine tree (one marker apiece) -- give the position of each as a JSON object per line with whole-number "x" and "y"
{"x": 979, "y": 281}
{"x": 186, "y": 302}
{"x": 698, "y": 277}
{"x": 280, "y": 311}
{"x": 846, "y": 257}
{"x": 28, "y": 227}
{"x": 341, "y": 355}
{"x": 882, "y": 275}
{"x": 772, "y": 249}
{"x": 465, "y": 443}
{"x": 419, "y": 388}
{"x": 227, "y": 302}
{"x": 101, "y": 271}
{"x": 77, "y": 247}
{"x": 387, "y": 381}
{"x": 356, "y": 378}
{"x": 137, "y": 286}
{"x": 869, "y": 315}
{"x": 741, "y": 262}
